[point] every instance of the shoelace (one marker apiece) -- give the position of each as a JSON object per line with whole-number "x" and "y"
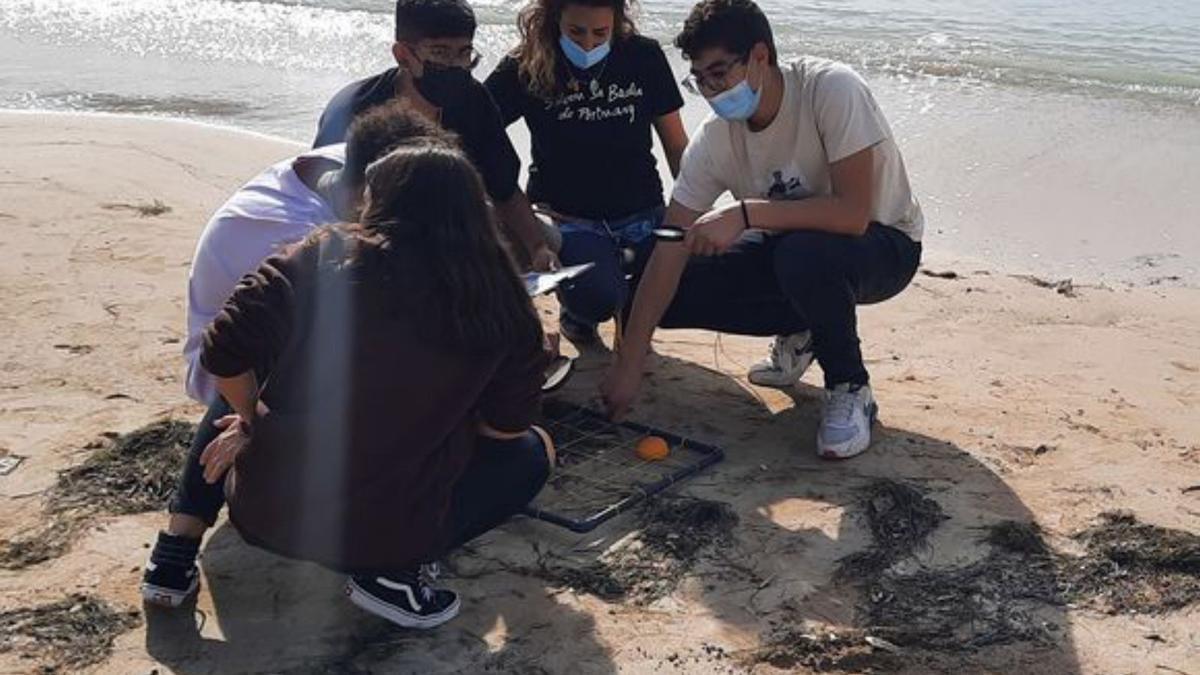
{"x": 427, "y": 574}
{"x": 839, "y": 406}
{"x": 775, "y": 351}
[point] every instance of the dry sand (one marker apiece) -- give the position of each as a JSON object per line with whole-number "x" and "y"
{"x": 1001, "y": 399}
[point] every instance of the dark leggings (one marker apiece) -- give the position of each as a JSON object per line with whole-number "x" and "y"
{"x": 776, "y": 285}
{"x": 602, "y": 291}
{"x": 501, "y": 478}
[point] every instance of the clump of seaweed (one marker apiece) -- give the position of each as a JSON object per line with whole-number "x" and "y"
{"x": 70, "y": 634}
{"x": 129, "y": 473}
{"x": 1133, "y": 567}
{"x": 674, "y": 533}
{"x": 900, "y": 519}
{"x": 846, "y": 651}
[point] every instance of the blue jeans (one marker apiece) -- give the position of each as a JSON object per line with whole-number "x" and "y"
{"x": 603, "y": 291}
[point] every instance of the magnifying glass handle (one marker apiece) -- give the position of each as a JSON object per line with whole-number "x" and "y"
{"x": 668, "y": 233}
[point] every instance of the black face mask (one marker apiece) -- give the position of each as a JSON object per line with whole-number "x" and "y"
{"x": 444, "y": 86}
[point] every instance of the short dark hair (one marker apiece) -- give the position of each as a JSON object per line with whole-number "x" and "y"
{"x": 383, "y": 128}
{"x": 734, "y": 25}
{"x": 420, "y": 19}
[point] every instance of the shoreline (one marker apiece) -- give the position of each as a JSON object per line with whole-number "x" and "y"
{"x": 1052, "y": 200}
{"x": 1054, "y": 181}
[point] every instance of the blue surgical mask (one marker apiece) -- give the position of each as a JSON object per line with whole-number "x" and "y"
{"x": 580, "y": 57}
{"x": 738, "y": 103}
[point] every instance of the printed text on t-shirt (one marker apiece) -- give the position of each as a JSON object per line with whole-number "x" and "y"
{"x": 597, "y": 104}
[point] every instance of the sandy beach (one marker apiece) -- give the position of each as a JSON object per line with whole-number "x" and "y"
{"x": 1004, "y": 398}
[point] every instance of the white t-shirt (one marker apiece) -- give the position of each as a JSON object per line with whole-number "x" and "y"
{"x": 827, "y": 114}
{"x": 273, "y": 210}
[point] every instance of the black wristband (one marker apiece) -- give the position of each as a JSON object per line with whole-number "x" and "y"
{"x": 745, "y": 215}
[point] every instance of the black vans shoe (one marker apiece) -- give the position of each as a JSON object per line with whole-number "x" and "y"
{"x": 406, "y": 599}
{"x": 171, "y": 576}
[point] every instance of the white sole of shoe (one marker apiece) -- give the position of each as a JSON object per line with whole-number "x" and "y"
{"x": 167, "y": 597}
{"x": 852, "y": 448}
{"x": 369, "y": 603}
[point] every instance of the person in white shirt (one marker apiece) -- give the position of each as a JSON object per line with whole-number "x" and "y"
{"x": 824, "y": 220}
{"x": 275, "y": 209}
{"x": 279, "y": 206}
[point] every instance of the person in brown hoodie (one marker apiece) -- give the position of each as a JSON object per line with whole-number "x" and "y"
{"x": 405, "y": 364}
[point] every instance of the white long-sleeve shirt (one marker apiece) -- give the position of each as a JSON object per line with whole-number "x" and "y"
{"x": 271, "y": 211}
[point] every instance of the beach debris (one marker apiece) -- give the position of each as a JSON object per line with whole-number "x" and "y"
{"x": 9, "y": 463}
{"x": 129, "y": 473}
{"x": 880, "y": 643}
{"x": 73, "y": 633}
{"x": 947, "y": 274}
{"x": 76, "y": 350}
{"x": 1134, "y": 568}
{"x": 134, "y": 473}
{"x": 1017, "y": 537}
{"x": 674, "y": 533}
{"x": 46, "y": 542}
{"x": 988, "y": 602}
{"x": 845, "y": 650}
{"x": 900, "y": 518}
{"x": 992, "y": 601}
{"x": 1064, "y": 287}
{"x": 143, "y": 209}
{"x": 1128, "y": 567}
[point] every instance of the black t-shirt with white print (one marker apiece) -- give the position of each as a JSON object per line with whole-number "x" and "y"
{"x": 592, "y": 146}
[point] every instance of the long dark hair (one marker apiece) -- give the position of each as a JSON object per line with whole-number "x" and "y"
{"x": 538, "y": 57}
{"x": 435, "y": 242}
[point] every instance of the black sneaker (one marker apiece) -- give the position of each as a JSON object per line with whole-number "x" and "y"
{"x": 407, "y": 599}
{"x": 580, "y": 333}
{"x": 171, "y": 576}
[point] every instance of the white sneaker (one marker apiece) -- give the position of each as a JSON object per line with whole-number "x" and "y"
{"x": 845, "y": 429}
{"x": 790, "y": 356}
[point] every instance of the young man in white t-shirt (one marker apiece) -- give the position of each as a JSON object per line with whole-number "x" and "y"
{"x": 824, "y": 219}
{"x": 279, "y": 207}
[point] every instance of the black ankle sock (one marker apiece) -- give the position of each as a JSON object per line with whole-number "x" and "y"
{"x": 171, "y": 549}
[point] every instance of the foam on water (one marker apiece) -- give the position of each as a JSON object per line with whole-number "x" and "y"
{"x": 1149, "y": 49}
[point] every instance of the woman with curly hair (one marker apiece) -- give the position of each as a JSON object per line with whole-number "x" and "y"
{"x": 590, "y": 89}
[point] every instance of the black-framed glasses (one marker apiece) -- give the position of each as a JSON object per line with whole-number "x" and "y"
{"x": 715, "y": 78}
{"x": 468, "y": 58}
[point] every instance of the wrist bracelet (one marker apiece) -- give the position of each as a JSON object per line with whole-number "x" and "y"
{"x": 245, "y": 427}
{"x": 745, "y": 215}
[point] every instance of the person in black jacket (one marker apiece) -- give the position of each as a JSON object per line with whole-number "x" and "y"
{"x": 435, "y": 53}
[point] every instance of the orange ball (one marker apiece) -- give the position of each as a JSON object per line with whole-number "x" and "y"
{"x": 652, "y": 449}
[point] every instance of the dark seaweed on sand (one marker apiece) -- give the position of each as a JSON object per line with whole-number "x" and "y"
{"x": 674, "y": 533}
{"x": 70, "y": 634}
{"x": 900, "y": 519}
{"x": 789, "y": 648}
{"x": 1133, "y": 567}
{"x": 137, "y": 472}
{"x": 130, "y": 473}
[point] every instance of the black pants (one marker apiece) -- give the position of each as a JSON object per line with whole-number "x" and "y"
{"x": 501, "y": 478}
{"x": 776, "y": 285}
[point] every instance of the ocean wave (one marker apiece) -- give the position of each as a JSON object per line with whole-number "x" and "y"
{"x": 1104, "y": 52}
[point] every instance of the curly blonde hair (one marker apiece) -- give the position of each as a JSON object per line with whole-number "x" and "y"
{"x": 537, "y": 54}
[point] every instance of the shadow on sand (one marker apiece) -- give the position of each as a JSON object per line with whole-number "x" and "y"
{"x": 797, "y": 518}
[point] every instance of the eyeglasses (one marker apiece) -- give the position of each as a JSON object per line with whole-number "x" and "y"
{"x": 715, "y": 78}
{"x": 468, "y": 57}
